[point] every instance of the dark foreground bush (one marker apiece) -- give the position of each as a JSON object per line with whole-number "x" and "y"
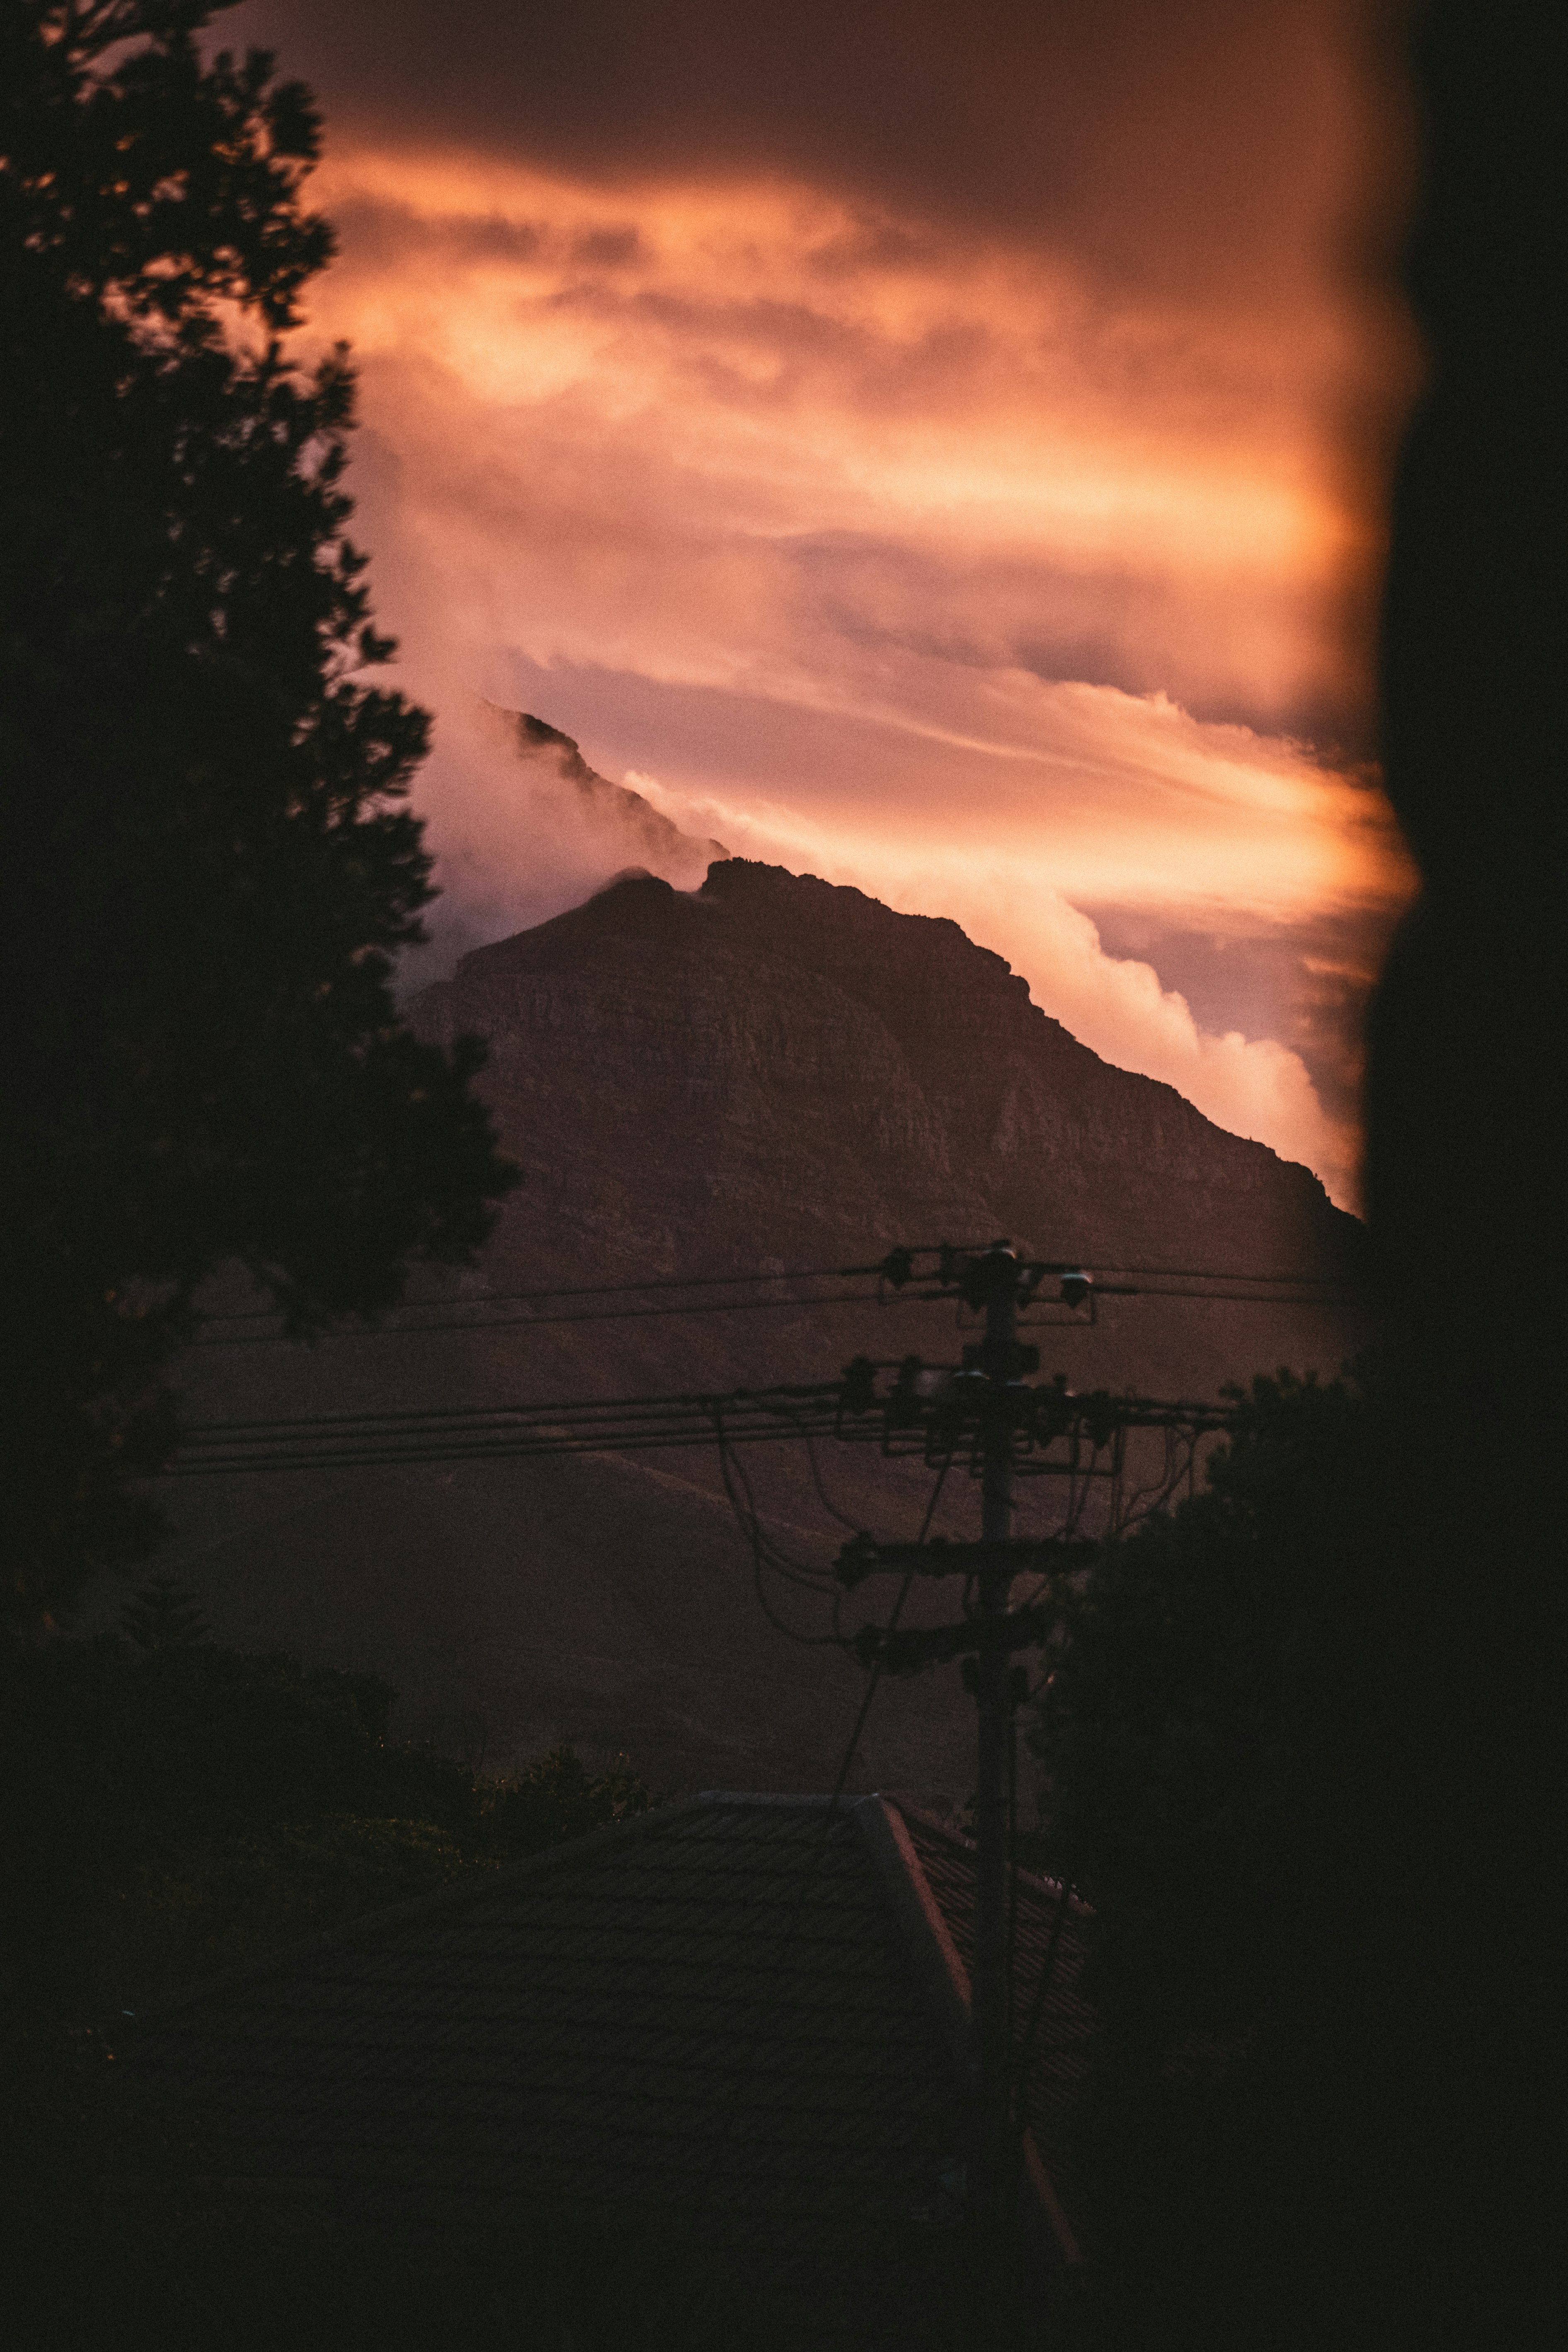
{"x": 1202, "y": 1783}
{"x": 171, "y": 1809}
{"x": 142, "y": 2243}
{"x": 167, "y": 1811}
{"x": 201, "y": 2273}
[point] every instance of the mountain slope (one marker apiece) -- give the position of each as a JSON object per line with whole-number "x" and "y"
{"x": 767, "y": 1073}
{"x": 802, "y": 1068}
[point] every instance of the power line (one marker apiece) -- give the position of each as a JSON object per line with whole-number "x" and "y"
{"x": 542, "y": 1322}
{"x": 1241, "y": 1297}
{"x": 878, "y": 1300}
{"x": 897, "y": 1278}
{"x": 1044, "y": 1414}
{"x": 554, "y": 1407}
{"x": 597, "y": 1289}
{"x": 982, "y": 1410}
{"x": 830, "y": 1816}
{"x": 884, "y": 1266}
{"x": 935, "y": 1413}
{"x": 1227, "y": 1274}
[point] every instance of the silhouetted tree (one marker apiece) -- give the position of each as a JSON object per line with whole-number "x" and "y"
{"x": 1368, "y": 2169}
{"x": 1180, "y": 1730}
{"x": 1194, "y": 1738}
{"x": 1452, "y": 1933}
{"x": 206, "y": 870}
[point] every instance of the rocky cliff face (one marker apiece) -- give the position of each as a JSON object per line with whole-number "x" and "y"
{"x": 772, "y": 1066}
{"x": 766, "y": 1072}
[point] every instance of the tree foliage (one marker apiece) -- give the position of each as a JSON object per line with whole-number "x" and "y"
{"x": 168, "y": 1805}
{"x": 1181, "y": 1729}
{"x": 209, "y": 871}
{"x": 1201, "y": 1784}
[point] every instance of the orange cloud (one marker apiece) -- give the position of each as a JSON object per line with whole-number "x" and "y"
{"x": 751, "y": 358}
{"x": 927, "y": 559}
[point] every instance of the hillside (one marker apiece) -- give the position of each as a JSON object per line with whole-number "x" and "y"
{"x": 792, "y": 1067}
{"x": 767, "y": 1073}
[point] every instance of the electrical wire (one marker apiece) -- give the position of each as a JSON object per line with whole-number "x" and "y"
{"x": 830, "y": 1816}
{"x": 602, "y": 1425}
{"x": 823, "y": 1495}
{"x": 547, "y": 1322}
{"x": 1294, "y": 1284}
{"x": 891, "y": 1627}
{"x": 548, "y": 1410}
{"x": 1142, "y": 1290}
{"x": 744, "y": 1506}
{"x": 879, "y": 1299}
{"x": 789, "y": 1400}
{"x": 602, "y": 1289}
{"x": 763, "y": 1554}
{"x": 1219, "y": 1274}
{"x": 392, "y": 1458}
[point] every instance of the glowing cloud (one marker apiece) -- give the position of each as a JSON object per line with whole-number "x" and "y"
{"x": 920, "y": 558}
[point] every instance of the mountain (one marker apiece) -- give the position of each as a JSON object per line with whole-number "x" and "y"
{"x": 792, "y": 1067}
{"x": 764, "y": 1073}
{"x": 560, "y": 775}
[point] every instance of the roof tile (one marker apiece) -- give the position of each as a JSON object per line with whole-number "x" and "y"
{"x": 717, "y": 2013}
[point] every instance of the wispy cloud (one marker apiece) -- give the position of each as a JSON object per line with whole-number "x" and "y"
{"x": 1001, "y": 580}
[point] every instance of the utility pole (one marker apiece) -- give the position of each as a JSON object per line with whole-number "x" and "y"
{"x": 1009, "y": 1428}
{"x": 985, "y": 1410}
{"x": 998, "y": 1273}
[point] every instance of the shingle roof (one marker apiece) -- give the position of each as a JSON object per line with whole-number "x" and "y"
{"x": 1052, "y": 2022}
{"x": 747, "y": 2012}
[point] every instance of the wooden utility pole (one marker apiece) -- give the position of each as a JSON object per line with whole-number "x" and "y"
{"x": 997, "y": 1271}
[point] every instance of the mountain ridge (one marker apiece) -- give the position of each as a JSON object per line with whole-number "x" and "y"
{"x": 768, "y": 1072}
{"x": 943, "y": 1050}
{"x": 613, "y": 809}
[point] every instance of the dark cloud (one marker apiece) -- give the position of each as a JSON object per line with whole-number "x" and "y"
{"x": 1163, "y": 142}
{"x": 383, "y": 234}
{"x": 607, "y": 248}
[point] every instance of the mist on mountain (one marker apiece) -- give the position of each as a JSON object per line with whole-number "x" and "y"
{"x": 504, "y": 777}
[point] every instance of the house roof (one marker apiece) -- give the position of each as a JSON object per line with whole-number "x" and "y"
{"x": 749, "y": 2013}
{"x": 1052, "y": 2022}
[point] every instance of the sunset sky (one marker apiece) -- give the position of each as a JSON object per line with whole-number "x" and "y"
{"x": 940, "y": 448}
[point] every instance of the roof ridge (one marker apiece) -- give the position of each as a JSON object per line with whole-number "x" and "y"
{"x": 944, "y": 1982}
{"x": 763, "y": 1797}
{"x": 923, "y": 1934}
{"x": 1054, "y": 1887}
{"x": 567, "y": 1854}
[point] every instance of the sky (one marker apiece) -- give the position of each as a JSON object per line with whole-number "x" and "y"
{"x": 941, "y": 449}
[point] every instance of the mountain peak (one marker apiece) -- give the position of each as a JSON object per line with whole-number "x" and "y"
{"x": 624, "y": 819}
{"x": 775, "y": 1054}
